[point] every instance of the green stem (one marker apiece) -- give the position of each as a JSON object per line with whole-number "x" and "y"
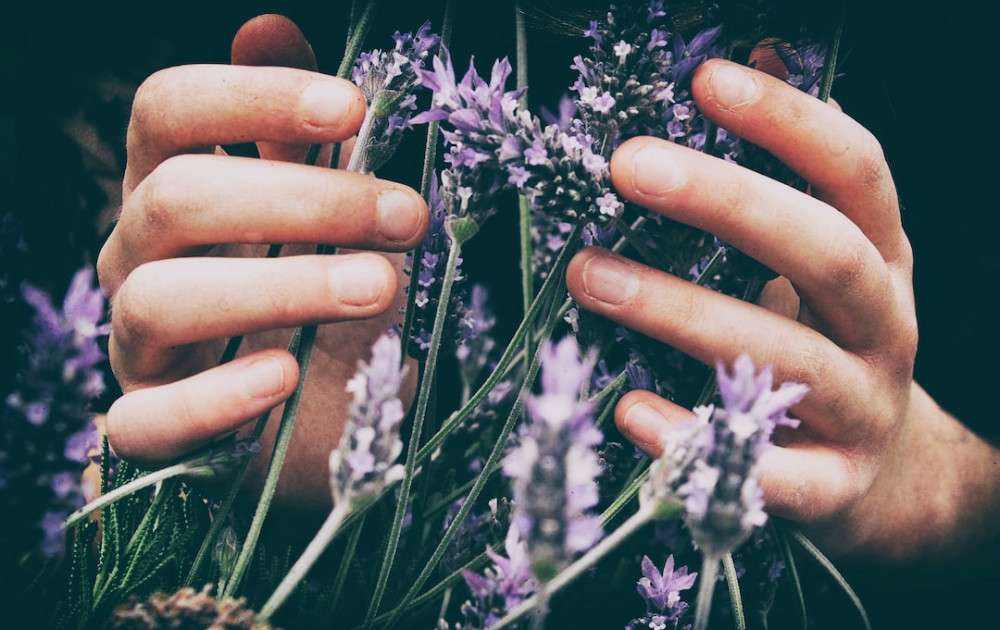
{"x": 830, "y": 67}
{"x": 735, "y": 597}
{"x": 357, "y": 38}
{"x": 313, "y": 551}
{"x": 307, "y": 336}
{"x": 573, "y": 571}
{"x": 524, "y": 208}
{"x": 706, "y": 588}
{"x": 426, "y": 180}
{"x": 123, "y": 491}
{"x": 423, "y": 400}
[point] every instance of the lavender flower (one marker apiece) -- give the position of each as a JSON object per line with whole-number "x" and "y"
{"x": 364, "y": 461}
{"x": 430, "y": 273}
{"x": 558, "y": 171}
{"x": 555, "y": 465}
{"x": 388, "y": 80}
{"x": 712, "y": 467}
{"x": 500, "y": 589}
{"x": 661, "y": 590}
{"x": 475, "y": 342}
{"x": 49, "y": 429}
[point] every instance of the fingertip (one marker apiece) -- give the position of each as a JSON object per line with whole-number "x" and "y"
{"x": 364, "y": 281}
{"x": 272, "y": 40}
{"x": 401, "y": 216}
{"x": 644, "y": 418}
{"x": 335, "y": 104}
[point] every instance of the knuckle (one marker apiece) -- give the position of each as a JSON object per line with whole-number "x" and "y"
{"x": 135, "y": 314}
{"x": 155, "y": 199}
{"x": 146, "y": 108}
{"x": 849, "y": 265}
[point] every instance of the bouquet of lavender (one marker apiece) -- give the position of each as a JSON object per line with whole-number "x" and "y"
{"x": 477, "y": 515}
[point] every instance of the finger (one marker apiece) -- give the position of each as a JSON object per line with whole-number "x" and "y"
{"x": 161, "y": 423}
{"x": 274, "y": 40}
{"x": 711, "y": 326}
{"x": 169, "y": 304}
{"x": 643, "y": 418}
{"x": 841, "y": 160}
{"x": 195, "y": 108}
{"x": 831, "y": 263}
{"x": 191, "y": 202}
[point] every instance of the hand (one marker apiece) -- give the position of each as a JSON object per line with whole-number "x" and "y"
{"x": 184, "y": 270}
{"x": 876, "y": 469}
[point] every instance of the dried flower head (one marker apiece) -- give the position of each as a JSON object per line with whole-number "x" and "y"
{"x": 186, "y": 609}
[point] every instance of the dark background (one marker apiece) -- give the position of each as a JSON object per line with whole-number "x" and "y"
{"x": 919, "y": 77}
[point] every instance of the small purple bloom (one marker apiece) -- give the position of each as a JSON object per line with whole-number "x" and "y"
{"x": 555, "y": 465}
{"x": 364, "y": 461}
{"x": 662, "y": 589}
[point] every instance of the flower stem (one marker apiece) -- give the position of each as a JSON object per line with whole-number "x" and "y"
{"x": 307, "y": 336}
{"x": 357, "y": 37}
{"x": 524, "y": 208}
{"x": 125, "y": 490}
{"x": 423, "y": 399}
{"x": 430, "y": 156}
{"x": 313, "y": 551}
{"x": 706, "y": 588}
{"x": 735, "y": 597}
{"x": 573, "y": 571}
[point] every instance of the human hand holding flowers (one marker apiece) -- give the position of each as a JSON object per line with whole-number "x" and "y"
{"x": 841, "y": 320}
{"x": 177, "y": 270}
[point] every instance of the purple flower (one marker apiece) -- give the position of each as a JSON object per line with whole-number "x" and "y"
{"x": 555, "y": 465}
{"x": 364, "y": 461}
{"x": 485, "y": 130}
{"x": 661, "y": 590}
{"x": 475, "y": 342}
{"x": 500, "y": 589}
{"x": 46, "y": 415}
{"x": 388, "y": 80}
{"x": 710, "y": 464}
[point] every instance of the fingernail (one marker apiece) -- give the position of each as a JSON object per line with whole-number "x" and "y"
{"x": 264, "y": 377}
{"x": 609, "y": 279}
{"x": 327, "y": 104}
{"x": 644, "y": 427}
{"x": 732, "y": 86}
{"x": 397, "y": 215}
{"x": 357, "y": 282}
{"x": 655, "y": 171}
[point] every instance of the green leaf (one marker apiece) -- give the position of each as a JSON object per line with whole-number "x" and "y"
{"x": 824, "y": 562}
{"x": 778, "y": 529}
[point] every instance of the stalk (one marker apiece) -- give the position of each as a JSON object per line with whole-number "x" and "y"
{"x": 305, "y": 562}
{"x": 418, "y": 422}
{"x": 573, "y": 571}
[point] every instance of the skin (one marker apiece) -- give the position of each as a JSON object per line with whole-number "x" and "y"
{"x": 183, "y": 272}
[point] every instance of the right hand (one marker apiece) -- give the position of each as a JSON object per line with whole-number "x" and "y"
{"x": 183, "y": 268}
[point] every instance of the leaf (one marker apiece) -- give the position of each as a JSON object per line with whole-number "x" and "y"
{"x": 778, "y": 529}
{"x": 832, "y": 570}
